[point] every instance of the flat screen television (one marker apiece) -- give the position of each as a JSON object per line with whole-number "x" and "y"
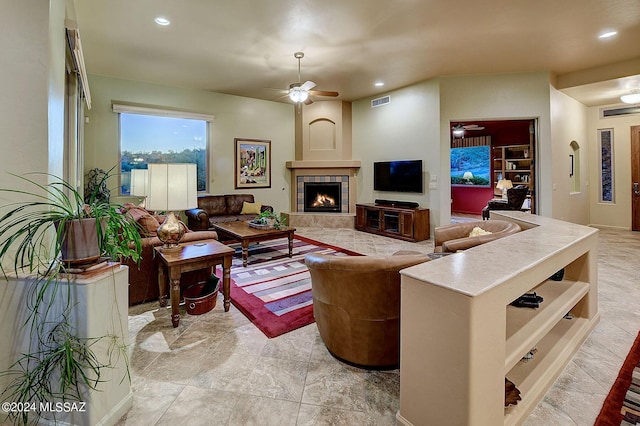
{"x": 398, "y": 176}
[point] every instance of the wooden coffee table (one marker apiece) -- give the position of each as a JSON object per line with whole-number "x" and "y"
{"x": 242, "y": 232}
{"x": 191, "y": 257}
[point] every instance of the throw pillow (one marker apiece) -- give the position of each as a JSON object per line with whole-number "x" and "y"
{"x": 148, "y": 223}
{"x": 251, "y": 208}
{"x": 477, "y": 231}
{"x": 136, "y": 212}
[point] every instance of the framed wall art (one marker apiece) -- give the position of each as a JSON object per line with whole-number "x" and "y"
{"x": 252, "y": 163}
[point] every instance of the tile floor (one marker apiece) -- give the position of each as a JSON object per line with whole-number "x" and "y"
{"x": 219, "y": 369}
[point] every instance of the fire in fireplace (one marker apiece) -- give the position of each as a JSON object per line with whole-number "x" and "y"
{"x": 322, "y": 197}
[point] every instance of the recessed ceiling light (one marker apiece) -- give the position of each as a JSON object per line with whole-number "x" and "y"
{"x": 378, "y": 84}
{"x": 161, "y": 20}
{"x": 607, "y": 34}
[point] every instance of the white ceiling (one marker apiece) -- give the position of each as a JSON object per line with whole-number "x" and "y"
{"x": 245, "y": 47}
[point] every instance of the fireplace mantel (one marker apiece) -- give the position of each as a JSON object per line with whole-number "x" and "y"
{"x": 323, "y": 164}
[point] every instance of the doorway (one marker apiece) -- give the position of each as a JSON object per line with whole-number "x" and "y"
{"x": 635, "y": 178}
{"x": 512, "y": 147}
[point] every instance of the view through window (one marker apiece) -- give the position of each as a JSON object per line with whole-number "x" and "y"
{"x": 146, "y": 139}
{"x": 605, "y": 142}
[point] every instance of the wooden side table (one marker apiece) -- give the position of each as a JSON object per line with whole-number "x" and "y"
{"x": 191, "y": 257}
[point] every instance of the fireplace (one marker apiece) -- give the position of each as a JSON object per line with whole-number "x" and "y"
{"x": 323, "y": 197}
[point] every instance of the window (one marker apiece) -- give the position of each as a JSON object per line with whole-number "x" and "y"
{"x": 159, "y": 136}
{"x": 605, "y": 145}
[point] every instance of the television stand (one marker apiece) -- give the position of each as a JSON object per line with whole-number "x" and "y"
{"x": 402, "y": 222}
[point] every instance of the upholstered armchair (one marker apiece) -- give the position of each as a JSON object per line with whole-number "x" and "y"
{"x": 515, "y": 198}
{"x": 455, "y": 237}
{"x": 356, "y": 304}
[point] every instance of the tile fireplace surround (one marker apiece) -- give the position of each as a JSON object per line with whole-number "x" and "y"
{"x": 343, "y": 171}
{"x": 344, "y": 191}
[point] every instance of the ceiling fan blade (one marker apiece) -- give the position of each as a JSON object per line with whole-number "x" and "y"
{"x": 308, "y": 85}
{"x": 286, "y": 95}
{"x": 323, "y": 93}
{"x": 473, "y": 127}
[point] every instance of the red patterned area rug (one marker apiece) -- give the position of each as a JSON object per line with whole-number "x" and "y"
{"x": 622, "y": 405}
{"x": 274, "y": 290}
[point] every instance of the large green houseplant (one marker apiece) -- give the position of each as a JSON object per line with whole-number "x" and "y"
{"x": 36, "y": 239}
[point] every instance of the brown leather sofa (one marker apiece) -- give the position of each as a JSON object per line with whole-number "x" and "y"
{"x": 220, "y": 208}
{"x": 356, "y": 304}
{"x": 143, "y": 277}
{"x": 454, "y": 237}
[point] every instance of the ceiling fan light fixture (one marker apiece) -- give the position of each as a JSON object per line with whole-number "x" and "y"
{"x": 457, "y": 130}
{"x": 298, "y": 95}
{"x": 632, "y": 97}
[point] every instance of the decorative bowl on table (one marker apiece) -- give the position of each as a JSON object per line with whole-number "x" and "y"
{"x": 258, "y": 224}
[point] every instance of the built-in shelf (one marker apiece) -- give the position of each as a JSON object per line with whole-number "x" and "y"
{"x": 526, "y": 326}
{"x": 516, "y": 163}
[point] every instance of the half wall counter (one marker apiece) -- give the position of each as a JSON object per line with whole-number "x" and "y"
{"x": 460, "y": 337}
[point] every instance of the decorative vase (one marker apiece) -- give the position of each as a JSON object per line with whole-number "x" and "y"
{"x": 171, "y": 231}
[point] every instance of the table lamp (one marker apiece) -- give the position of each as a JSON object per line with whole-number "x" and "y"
{"x": 172, "y": 187}
{"x": 139, "y": 184}
{"x": 504, "y": 184}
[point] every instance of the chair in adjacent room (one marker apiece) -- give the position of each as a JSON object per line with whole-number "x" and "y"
{"x": 515, "y": 198}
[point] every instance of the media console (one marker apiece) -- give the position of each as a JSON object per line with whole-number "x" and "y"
{"x": 403, "y": 221}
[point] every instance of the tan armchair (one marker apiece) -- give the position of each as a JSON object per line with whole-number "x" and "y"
{"x": 454, "y": 237}
{"x": 356, "y": 304}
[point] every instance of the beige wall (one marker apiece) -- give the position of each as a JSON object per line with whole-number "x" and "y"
{"x": 569, "y": 123}
{"x": 617, "y": 214}
{"x": 234, "y": 117}
{"x": 32, "y": 72}
{"x": 498, "y": 96}
{"x": 405, "y": 129}
{"x": 32, "y": 86}
{"x": 415, "y": 125}
{"x": 32, "y": 107}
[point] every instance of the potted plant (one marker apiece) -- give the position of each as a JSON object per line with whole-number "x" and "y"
{"x": 40, "y": 235}
{"x": 78, "y": 230}
{"x": 97, "y": 184}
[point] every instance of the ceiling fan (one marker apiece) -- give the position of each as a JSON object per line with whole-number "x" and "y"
{"x": 300, "y": 92}
{"x": 459, "y": 129}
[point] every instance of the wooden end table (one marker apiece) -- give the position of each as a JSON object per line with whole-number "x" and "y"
{"x": 241, "y": 231}
{"x": 191, "y": 257}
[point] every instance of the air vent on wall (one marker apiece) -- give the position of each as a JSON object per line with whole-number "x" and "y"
{"x": 380, "y": 101}
{"x": 614, "y": 112}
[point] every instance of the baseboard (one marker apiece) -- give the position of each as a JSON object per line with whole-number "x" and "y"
{"x": 615, "y": 228}
{"x": 402, "y": 421}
